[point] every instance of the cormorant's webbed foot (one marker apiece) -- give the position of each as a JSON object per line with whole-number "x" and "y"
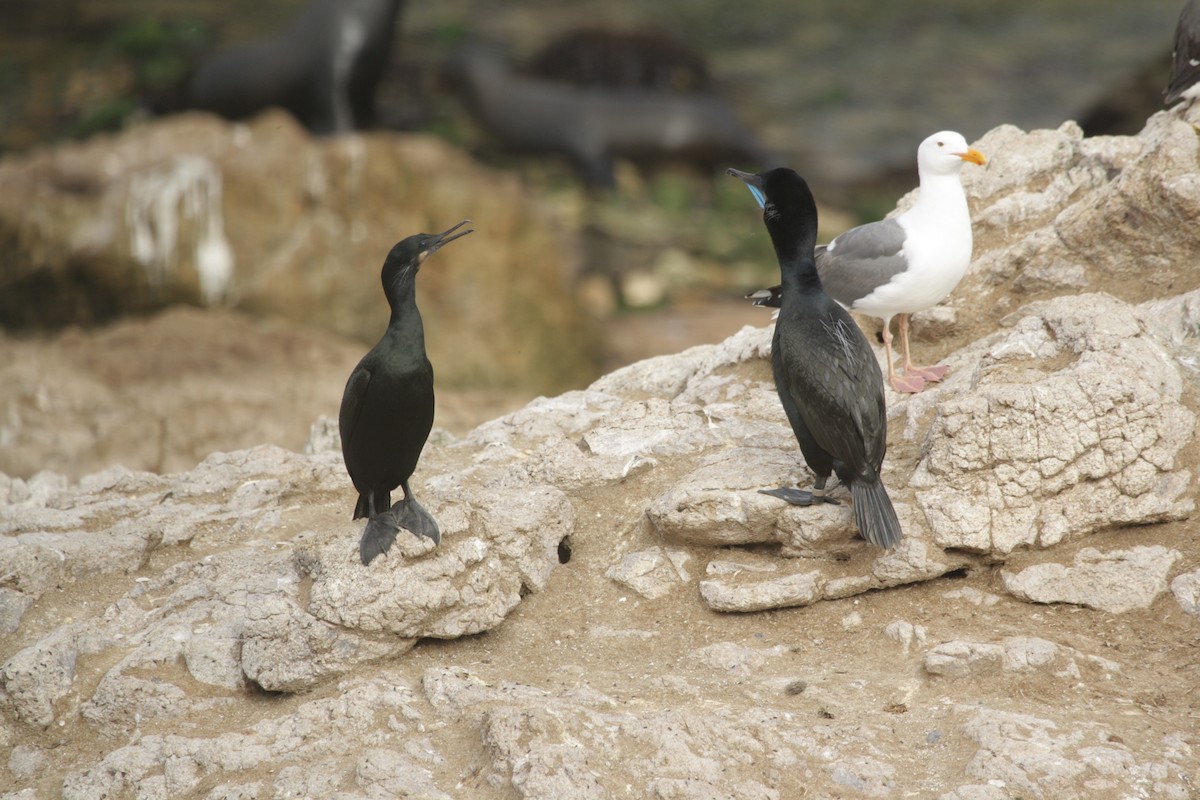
{"x": 413, "y": 517}
{"x": 383, "y": 527}
{"x": 799, "y": 497}
{"x": 378, "y": 536}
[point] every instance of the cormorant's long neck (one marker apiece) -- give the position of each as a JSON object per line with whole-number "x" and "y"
{"x": 797, "y": 267}
{"x": 405, "y": 321}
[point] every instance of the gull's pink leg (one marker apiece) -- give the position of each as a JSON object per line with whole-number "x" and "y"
{"x": 901, "y": 383}
{"x": 931, "y": 374}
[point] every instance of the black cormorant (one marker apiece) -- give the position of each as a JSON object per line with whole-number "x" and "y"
{"x": 826, "y": 374}
{"x": 898, "y": 266}
{"x": 387, "y": 408}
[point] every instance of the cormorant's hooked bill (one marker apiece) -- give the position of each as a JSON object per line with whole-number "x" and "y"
{"x": 753, "y": 183}
{"x": 439, "y": 240}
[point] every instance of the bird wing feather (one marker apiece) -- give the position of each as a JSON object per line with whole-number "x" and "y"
{"x": 839, "y": 391}
{"x": 353, "y": 401}
{"x": 858, "y": 261}
{"x": 820, "y": 461}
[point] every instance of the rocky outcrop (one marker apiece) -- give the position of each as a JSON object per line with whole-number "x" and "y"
{"x": 1055, "y": 213}
{"x": 1069, "y": 422}
{"x": 265, "y": 218}
{"x": 212, "y": 634}
{"x": 1116, "y": 581}
{"x": 242, "y": 576}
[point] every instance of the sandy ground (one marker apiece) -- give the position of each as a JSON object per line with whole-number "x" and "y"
{"x": 162, "y": 393}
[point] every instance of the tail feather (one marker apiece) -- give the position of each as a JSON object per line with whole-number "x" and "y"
{"x": 767, "y": 298}
{"x": 366, "y": 508}
{"x": 874, "y": 513}
{"x": 362, "y": 508}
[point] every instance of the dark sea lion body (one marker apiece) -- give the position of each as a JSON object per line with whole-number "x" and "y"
{"x": 594, "y": 126}
{"x": 323, "y": 68}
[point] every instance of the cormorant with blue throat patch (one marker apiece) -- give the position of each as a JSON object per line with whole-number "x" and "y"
{"x": 825, "y": 372}
{"x": 387, "y": 408}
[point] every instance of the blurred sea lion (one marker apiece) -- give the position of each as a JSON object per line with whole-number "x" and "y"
{"x": 323, "y": 68}
{"x": 641, "y": 59}
{"x": 593, "y": 126}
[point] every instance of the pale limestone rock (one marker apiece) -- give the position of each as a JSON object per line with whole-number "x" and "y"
{"x": 958, "y": 659}
{"x": 978, "y": 791}
{"x": 979, "y": 660}
{"x": 24, "y": 761}
{"x": 299, "y": 745}
{"x": 1043, "y": 196}
{"x": 651, "y": 573}
{"x": 1114, "y": 581}
{"x": 798, "y": 589}
{"x": 973, "y": 596}
{"x": 538, "y": 742}
{"x": 1035, "y": 756}
{"x": 1069, "y": 423}
{"x": 906, "y": 633}
{"x": 1186, "y": 588}
{"x": 384, "y": 772}
{"x": 733, "y": 659}
{"x": 36, "y": 678}
{"x": 465, "y": 585}
{"x": 841, "y": 572}
{"x": 1066, "y": 419}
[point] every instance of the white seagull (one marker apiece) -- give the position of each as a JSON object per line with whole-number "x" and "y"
{"x": 899, "y": 266}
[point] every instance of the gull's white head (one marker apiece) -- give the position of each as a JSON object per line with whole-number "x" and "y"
{"x": 944, "y": 152}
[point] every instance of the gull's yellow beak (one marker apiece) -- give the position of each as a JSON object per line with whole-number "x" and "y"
{"x": 972, "y": 155}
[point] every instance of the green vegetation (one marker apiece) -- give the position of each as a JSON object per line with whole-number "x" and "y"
{"x": 161, "y": 53}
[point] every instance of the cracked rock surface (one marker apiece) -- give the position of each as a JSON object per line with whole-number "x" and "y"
{"x": 614, "y": 610}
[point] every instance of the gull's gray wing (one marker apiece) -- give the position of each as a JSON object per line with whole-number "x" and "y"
{"x": 861, "y": 259}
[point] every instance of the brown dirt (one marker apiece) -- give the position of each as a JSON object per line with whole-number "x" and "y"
{"x": 163, "y": 392}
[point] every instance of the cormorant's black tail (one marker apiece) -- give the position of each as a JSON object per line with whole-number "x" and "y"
{"x": 874, "y": 514}
{"x": 767, "y": 298}
{"x": 364, "y": 508}
{"x": 378, "y": 536}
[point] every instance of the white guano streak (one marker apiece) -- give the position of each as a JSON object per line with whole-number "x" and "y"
{"x": 189, "y": 187}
